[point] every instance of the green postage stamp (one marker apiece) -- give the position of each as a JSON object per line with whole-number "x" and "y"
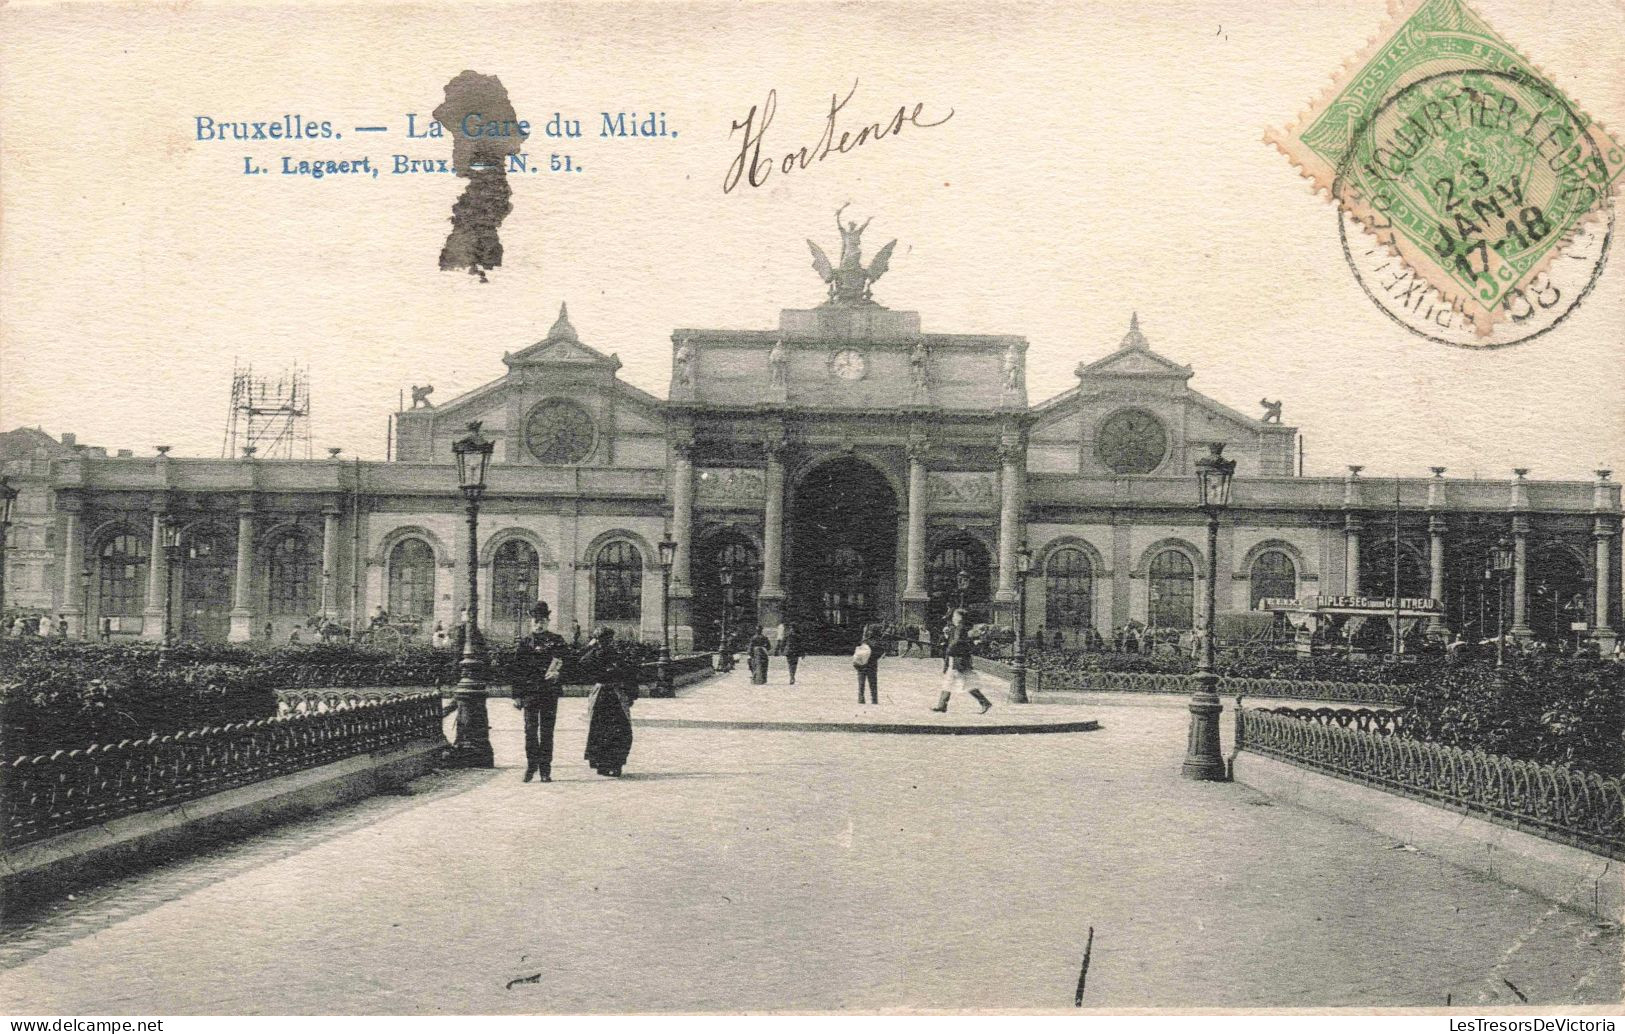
{"x": 1460, "y": 156}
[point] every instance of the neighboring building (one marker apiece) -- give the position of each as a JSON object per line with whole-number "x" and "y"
{"x": 845, "y": 467}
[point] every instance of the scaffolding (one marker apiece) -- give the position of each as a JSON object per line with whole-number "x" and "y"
{"x": 270, "y": 417}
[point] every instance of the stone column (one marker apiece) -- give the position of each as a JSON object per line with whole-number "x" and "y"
{"x": 1010, "y": 484}
{"x": 682, "y": 530}
{"x": 682, "y": 509}
{"x": 73, "y": 562}
{"x": 330, "y": 562}
{"x": 153, "y": 617}
{"x": 915, "y": 596}
{"x": 242, "y": 611}
{"x": 770, "y": 597}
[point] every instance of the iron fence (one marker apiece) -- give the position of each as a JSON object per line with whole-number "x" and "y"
{"x": 1563, "y": 804}
{"x": 1171, "y": 682}
{"x": 51, "y": 794}
{"x": 1384, "y": 722}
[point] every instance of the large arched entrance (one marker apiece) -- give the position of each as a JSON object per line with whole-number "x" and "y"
{"x": 842, "y": 554}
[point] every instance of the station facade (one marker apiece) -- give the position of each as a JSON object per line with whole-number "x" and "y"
{"x": 844, "y": 467}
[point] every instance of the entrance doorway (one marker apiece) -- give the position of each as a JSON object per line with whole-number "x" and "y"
{"x": 842, "y": 553}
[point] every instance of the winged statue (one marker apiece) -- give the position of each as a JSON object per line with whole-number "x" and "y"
{"x": 850, "y": 281}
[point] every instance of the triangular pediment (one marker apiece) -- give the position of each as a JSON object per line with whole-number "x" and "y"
{"x": 1135, "y": 363}
{"x": 561, "y": 347}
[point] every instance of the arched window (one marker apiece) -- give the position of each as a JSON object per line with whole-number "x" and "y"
{"x": 1274, "y": 576}
{"x": 1068, "y": 592}
{"x": 295, "y": 566}
{"x": 208, "y": 575}
{"x": 411, "y": 579}
{"x": 513, "y": 584}
{"x": 1173, "y": 590}
{"x": 617, "y": 583}
{"x": 122, "y": 563}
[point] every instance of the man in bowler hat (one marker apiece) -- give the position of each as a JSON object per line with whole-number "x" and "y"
{"x": 537, "y": 686}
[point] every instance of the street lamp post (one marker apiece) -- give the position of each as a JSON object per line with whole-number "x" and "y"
{"x": 8, "y": 496}
{"x": 1501, "y": 561}
{"x": 1203, "y": 758}
{"x": 726, "y": 577}
{"x": 1018, "y": 662}
{"x": 668, "y": 557}
{"x": 472, "y": 748}
{"x": 174, "y": 557}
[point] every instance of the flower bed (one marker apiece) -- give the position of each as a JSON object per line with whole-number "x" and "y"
{"x": 62, "y": 695}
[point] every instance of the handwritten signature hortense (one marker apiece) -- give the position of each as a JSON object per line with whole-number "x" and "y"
{"x": 749, "y": 164}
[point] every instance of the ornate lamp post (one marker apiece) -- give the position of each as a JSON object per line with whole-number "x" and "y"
{"x": 1018, "y": 663}
{"x": 472, "y": 748}
{"x": 1203, "y": 758}
{"x": 174, "y": 558}
{"x": 726, "y": 577}
{"x": 1501, "y": 561}
{"x": 84, "y": 603}
{"x": 668, "y": 557}
{"x": 8, "y": 496}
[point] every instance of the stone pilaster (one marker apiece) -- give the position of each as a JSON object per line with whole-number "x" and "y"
{"x": 1604, "y": 527}
{"x": 1436, "y": 532}
{"x": 73, "y": 564}
{"x": 1520, "y": 577}
{"x": 242, "y": 611}
{"x": 330, "y": 562}
{"x": 154, "y": 617}
{"x": 1352, "y": 526}
{"x": 1520, "y": 555}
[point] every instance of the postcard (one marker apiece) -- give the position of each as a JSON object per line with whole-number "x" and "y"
{"x": 871, "y": 508}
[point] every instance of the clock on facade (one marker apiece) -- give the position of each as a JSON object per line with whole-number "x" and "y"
{"x": 848, "y": 364}
{"x": 559, "y": 431}
{"x": 1131, "y": 441}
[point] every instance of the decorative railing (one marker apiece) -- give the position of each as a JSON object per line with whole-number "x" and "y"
{"x": 1167, "y": 682}
{"x": 1574, "y": 807}
{"x": 1384, "y": 722}
{"x": 51, "y": 794}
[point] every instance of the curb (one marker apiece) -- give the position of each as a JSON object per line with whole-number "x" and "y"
{"x": 891, "y": 728}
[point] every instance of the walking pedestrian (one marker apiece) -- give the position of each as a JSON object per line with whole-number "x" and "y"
{"x": 958, "y": 668}
{"x": 759, "y": 650}
{"x": 609, "y": 732}
{"x": 537, "y": 686}
{"x": 791, "y": 644}
{"x": 778, "y": 639}
{"x": 866, "y": 658}
{"x": 61, "y": 626}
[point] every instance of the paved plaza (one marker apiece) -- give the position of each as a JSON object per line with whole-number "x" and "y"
{"x": 737, "y": 869}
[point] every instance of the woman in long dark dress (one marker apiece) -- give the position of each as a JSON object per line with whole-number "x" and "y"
{"x": 615, "y": 676}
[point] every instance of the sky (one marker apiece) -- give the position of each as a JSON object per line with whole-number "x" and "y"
{"x": 1100, "y": 160}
